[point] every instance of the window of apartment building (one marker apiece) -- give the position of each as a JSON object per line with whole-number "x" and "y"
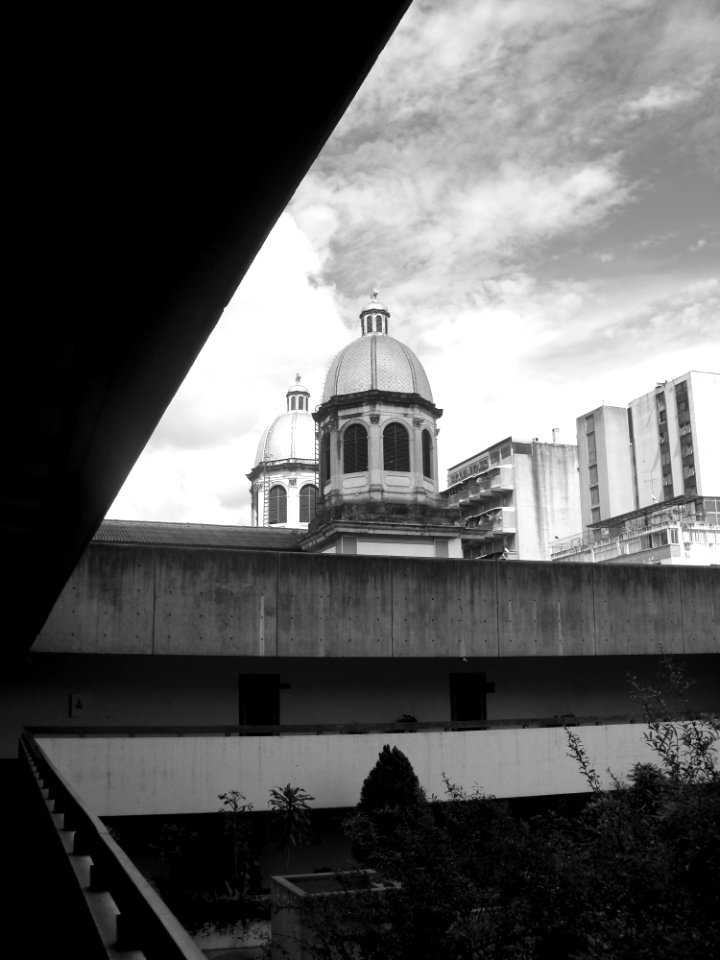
{"x": 590, "y": 424}
{"x": 308, "y": 501}
{"x": 595, "y": 515}
{"x": 355, "y": 449}
{"x": 594, "y": 496}
{"x": 277, "y": 507}
{"x": 591, "y": 450}
{"x": 593, "y": 474}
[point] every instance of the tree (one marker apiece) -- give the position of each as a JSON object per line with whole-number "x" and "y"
{"x": 634, "y": 876}
{"x": 290, "y": 818}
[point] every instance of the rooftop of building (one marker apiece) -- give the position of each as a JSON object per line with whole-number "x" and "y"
{"x": 161, "y": 533}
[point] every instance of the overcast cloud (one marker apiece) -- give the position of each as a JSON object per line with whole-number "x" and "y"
{"x": 533, "y": 187}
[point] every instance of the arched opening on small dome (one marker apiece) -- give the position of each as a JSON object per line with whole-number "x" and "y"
{"x": 427, "y": 454}
{"x": 396, "y": 448}
{"x": 277, "y": 505}
{"x": 355, "y": 449}
{"x": 308, "y": 502}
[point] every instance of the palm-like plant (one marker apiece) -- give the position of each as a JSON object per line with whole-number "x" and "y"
{"x": 290, "y": 817}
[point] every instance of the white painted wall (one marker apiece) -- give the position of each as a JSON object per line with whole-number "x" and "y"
{"x": 704, "y": 393}
{"x": 180, "y": 775}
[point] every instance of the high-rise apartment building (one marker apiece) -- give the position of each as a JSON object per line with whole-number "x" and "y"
{"x": 650, "y": 478}
{"x": 662, "y": 447}
{"x": 674, "y": 433}
{"x": 604, "y": 464}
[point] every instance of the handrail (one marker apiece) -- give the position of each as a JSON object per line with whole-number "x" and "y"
{"x": 403, "y": 726}
{"x": 144, "y": 922}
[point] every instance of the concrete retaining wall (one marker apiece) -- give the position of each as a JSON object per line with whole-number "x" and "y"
{"x": 152, "y": 600}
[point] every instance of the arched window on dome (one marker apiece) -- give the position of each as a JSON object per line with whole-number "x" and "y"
{"x": 324, "y": 459}
{"x": 355, "y": 449}
{"x": 378, "y": 324}
{"x": 427, "y": 454}
{"x": 308, "y": 500}
{"x": 396, "y": 448}
{"x": 292, "y": 403}
{"x": 277, "y": 512}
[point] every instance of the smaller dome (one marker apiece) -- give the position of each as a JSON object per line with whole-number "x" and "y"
{"x": 291, "y": 436}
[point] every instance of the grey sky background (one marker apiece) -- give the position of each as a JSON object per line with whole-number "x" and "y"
{"x": 534, "y": 188}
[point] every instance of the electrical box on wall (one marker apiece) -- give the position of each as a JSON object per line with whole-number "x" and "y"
{"x": 76, "y": 704}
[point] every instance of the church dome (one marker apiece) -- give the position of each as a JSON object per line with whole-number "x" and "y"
{"x": 291, "y": 436}
{"x": 376, "y": 361}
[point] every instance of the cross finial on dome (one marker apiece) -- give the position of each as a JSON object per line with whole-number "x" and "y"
{"x": 375, "y": 294}
{"x": 297, "y": 378}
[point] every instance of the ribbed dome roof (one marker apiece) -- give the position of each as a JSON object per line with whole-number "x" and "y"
{"x": 291, "y": 436}
{"x": 376, "y": 362}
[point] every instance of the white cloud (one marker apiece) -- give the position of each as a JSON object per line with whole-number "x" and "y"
{"x": 662, "y": 98}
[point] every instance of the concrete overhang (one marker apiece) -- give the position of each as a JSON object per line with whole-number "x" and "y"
{"x": 148, "y": 157}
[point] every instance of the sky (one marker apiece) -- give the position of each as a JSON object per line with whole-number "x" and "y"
{"x": 534, "y": 190}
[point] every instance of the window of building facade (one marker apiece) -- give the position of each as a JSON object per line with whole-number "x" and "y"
{"x": 355, "y": 449}
{"x": 595, "y": 514}
{"x": 591, "y": 450}
{"x": 594, "y": 496}
{"x": 396, "y": 448}
{"x": 324, "y": 459}
{"x": 277, "y": 508}
{"x": 427, "y": 454}
{"x": 593, "y": 474}
{"x": 308, "y": 501}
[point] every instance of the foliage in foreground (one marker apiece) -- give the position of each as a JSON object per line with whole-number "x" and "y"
{"x": 634, "y": 876}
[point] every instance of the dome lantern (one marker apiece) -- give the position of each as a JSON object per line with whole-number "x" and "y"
{"x": 298, "y": 396}
{"x": 374, "y": 317}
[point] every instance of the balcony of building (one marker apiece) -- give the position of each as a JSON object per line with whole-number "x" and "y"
{"x": 483, "y": 486}
{"x": 178, "y": 770}
{"x": 494, "y": 522}
{"x": 675, "y": 543}
{"x": 71, "y": 780}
